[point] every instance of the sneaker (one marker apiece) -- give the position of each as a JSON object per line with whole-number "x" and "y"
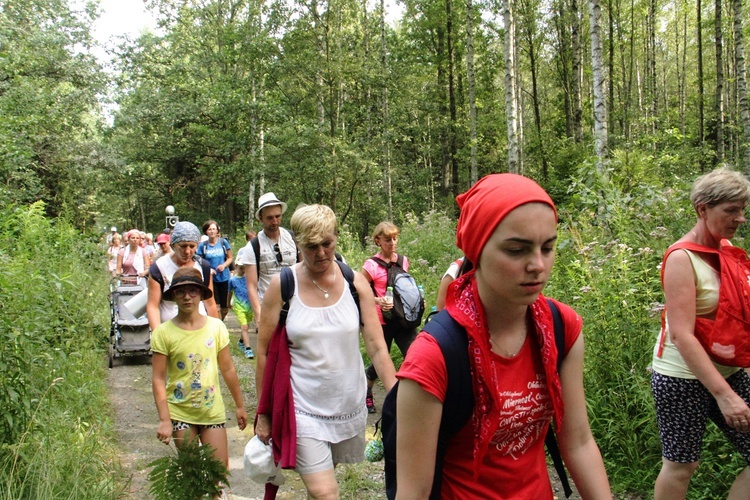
{"x": 240, "y": 343}
{"x": 249, "y": 353}
{"x": 370, "y": 403}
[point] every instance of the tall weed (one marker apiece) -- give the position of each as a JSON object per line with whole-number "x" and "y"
{"x": 53, "y": 296}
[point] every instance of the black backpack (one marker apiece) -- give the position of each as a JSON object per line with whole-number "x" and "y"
{"x": 459, "y": 400}
{"x": 408, "y": 304}
{"x": 287, "y": 289}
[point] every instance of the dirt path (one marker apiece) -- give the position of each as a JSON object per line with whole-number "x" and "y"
{"x": 136, "y": 421}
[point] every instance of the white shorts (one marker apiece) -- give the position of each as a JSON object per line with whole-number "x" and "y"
{"x": 314, "y": 455}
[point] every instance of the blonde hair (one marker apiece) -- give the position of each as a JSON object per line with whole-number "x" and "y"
{"x": 311, "y": 224}
{"x": 720, "y": 186}
{"x": 385, "y": 229}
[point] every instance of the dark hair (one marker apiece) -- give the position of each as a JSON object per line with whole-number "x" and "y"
{"x": 207, "y": 224}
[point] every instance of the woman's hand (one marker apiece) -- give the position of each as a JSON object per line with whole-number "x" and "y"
{"x": 263, "y": 428}
{"x": 384, "y": 303}
{"x": 736, "y": 412}
{"x": 220, "y": 268}
{"x": 164, "y": 432}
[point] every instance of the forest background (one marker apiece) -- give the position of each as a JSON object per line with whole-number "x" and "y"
{"x": 613, "y": 106}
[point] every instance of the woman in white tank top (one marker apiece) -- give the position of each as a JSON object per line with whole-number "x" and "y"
{"x": 326, "y": 374}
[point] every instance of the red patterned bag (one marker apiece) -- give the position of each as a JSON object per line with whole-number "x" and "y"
{"x": 726, "y": 338}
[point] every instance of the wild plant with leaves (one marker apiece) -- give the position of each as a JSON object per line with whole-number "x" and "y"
{"x": 190, "y": 473}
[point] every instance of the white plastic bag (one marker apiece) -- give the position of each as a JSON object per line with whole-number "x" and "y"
{"x": 259, "y": 464}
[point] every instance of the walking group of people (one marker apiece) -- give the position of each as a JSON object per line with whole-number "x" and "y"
{"x": 315, "y": 391}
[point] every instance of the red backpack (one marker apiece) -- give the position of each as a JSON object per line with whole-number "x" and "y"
{"x": 726, "y": 338}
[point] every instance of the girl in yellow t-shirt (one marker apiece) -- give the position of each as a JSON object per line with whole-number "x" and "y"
{"x": 189, "y": 351}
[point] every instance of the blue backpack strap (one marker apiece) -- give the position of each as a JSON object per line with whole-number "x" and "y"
{"x": 550, "y": 441}
{"x": 459, "y": 395}
{"x": 287, "y": 291}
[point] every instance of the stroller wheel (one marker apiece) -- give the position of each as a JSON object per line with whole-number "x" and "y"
{"x": 111, "y": 356}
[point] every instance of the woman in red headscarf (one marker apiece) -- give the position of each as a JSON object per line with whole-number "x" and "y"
{"x": 508, "y": 228}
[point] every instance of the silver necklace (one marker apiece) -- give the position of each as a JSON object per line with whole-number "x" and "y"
{"x": 325, "y": 292}
{"x": 516, "y": 350}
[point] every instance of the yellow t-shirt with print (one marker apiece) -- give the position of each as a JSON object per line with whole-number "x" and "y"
{"x": 193, "y": 389}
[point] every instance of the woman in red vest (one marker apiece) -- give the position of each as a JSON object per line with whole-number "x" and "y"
{"x": 688, "y": 387}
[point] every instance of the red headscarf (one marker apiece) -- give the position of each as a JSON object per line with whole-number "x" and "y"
{"x": 487, "y": 203}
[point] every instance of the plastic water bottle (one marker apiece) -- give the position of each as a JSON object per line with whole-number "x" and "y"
{"x": 421, "y": 291}
{"x": 389, "y": 300}
{"x": 389, "y": 295}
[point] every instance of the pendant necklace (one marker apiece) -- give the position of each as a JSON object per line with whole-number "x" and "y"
{"x": 325, "y": 292}
{"x": 516, "y": 350}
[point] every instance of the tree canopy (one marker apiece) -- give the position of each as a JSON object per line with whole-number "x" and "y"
{"x": 340, "y": 102}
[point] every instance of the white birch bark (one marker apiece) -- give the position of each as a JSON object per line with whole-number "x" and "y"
{"x": 744, "y": 107}
{"x": 473, "y": 172}
{"x": 600, "y": 95}
{"x": 511, "y": 104}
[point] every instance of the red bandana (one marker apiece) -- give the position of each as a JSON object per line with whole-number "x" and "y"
{"x": 465, "y": 307}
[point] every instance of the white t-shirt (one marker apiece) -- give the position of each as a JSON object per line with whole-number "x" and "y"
{"x": 269, "y": 264}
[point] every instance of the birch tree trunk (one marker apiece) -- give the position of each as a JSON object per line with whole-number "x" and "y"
{"x": 473, "y": 171}
{"x": 511, "y": 104}
{"x": 600, "y": 97}
{"x": 744, "y": 106}
{"x": 719, "y": 104}
{"x": 386, "y": 121}
{"x": 577, "y": 79}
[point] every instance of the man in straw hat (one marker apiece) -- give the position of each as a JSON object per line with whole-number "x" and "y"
{"x": 272, "y": 249}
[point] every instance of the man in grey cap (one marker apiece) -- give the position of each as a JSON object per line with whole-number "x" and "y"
{"x": 272, "y": 249}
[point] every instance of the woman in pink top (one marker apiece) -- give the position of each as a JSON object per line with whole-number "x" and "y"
{"x": 132, "y": 259}
{"x": 385, "y": 237}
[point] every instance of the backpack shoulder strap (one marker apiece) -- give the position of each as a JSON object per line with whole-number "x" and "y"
{"x": 349, "y": 277}
{"x": 255, "y": 244}
{"x": 400, "y": 261}
{"x": 155, "y": 272}
{"x": 206, "y": 270}
{"x": 380, "y": 262}
{"x": 287, "y": 291}
{"x": 225, "y": 247}
{"x": 459, "y": 395}
{"x": 550, "y": 440}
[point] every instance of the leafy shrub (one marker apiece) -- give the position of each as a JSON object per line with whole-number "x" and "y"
{"x": 188, "y": 474}
{"x": 54, "y": 321}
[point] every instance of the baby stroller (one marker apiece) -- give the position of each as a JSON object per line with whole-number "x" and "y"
{"x": 129, "y": 335}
